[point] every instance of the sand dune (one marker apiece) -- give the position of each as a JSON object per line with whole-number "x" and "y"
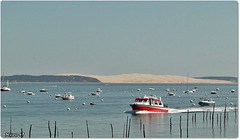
{"x": 147, "y": 78}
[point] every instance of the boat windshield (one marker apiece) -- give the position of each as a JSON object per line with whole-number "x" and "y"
{"x": 141, "y": 100}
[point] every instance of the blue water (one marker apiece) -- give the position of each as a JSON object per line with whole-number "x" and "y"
{"x": 115, "y": 110}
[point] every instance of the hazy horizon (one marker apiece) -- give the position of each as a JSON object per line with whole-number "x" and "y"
{"x": 112, "y": 38}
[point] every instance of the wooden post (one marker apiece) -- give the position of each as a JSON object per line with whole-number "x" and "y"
{"x": 10, "y": 127}
{"x": 72, "y": 134}
{"x": 187, "y": 121}
{"x": 203, "y": 115}
{"x": 143, "y": 130}
{"x": 55, "y": 130}
{"x": 112, "y": 130}
{"x": 129, "y": 127}
{"x": 206, "y": 115}
{"x": 123, "y": 129}
{"x": 170, "y": 125}
{"x": 30, "y": 130}
{"x": 87, "y": 129}
{"x": 49, "y": 129}
{"x": 180, "y": 126}
{"x": 140, "y": 124}
{"x": 213, "y": 115}
{"x": 217, "y": 119}
{"x": 220, "y": 120}
{"x": 22, "y": 134}
{"x": 195, "y": 117}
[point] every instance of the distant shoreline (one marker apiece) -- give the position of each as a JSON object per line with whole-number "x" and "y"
{"x": 133, "y": 78}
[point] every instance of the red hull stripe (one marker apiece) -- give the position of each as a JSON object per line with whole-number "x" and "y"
{"x": 149, "y": 108}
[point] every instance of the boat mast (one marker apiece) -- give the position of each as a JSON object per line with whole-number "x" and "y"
{"x": 187, "y": 81}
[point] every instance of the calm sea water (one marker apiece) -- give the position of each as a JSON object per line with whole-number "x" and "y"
{"x": 115, "y": 110}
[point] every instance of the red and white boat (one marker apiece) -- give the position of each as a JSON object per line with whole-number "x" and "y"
{"x": 150, "y": 104}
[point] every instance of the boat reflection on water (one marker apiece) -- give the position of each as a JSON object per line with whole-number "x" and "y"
{"x": 154, "y": 123}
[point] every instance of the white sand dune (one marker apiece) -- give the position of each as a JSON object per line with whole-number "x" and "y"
{"x": 146, "y": 78}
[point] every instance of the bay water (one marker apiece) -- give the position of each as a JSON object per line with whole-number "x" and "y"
{"x": 112, "y": 107}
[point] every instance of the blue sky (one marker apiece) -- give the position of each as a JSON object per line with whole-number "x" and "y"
{"x": 108, "y": 38}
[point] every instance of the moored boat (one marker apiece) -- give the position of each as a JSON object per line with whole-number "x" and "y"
{"x": 149, "y": 103}
{"x": 67, "y": 96}
{"x": 58, "y": 95}
{"x": 206, "y": 102}
{"x": 6, "y": 87}
{"x": 43, "y": 90}
{"x": 30, "y": 93}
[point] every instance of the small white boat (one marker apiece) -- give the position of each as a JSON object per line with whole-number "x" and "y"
{"x": 213, "y": 92}
{"x": 5, "y": 87}
{"x": 43, "y": 90}
{"x": 98, "y": 90}
{"x": 171, "y": 94}
{"x": 58, "y": 95}
{"x": 22, "y": 91}
{"x": 188, "y": 91}
{"x": 67, "y": 96}
{"x": 206, "y": 102}
{"x": 95, "y": 93}
{"x": 30, "y": 93}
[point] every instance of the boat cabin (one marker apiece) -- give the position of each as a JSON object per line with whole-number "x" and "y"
{"x": 152, "y": 100}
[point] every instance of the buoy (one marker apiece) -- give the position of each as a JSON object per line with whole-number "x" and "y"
{"x": 75, "y": 108}
{"x": 231, "y": 103}
{"x": 4, "y": 106}
{"x": 194, "y": 98}
{"x": 226, "y": 97}
{"x": 102, "y": 100}
{"x": 191, "y": 101}
{"x": 68, "y": 108}
{"x": 179, "y": 96}
{"x": 193, "y": 104}
{"x": 83, "y": 103}
{"x": 85, "y": 97}
{"x": 217, "y": 95}
{"x": 28, "y": 102}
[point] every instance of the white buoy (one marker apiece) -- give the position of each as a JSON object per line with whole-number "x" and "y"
{"x": 4, "y": 106}
{"x": 194, "y": 98}
{"x": 68, "y": 108}
{"x": 217, "y": 95}
{"x": 102, "y": 100}
{"x": 85, "y": 97}
{"x": 83, "y": 103}
{"x": 231, "y": 103}
{"x": 193, "y": 104}
{"x": 178, "y": 96}
{"x": 28, "y": 102}
{"x": 226, "y": 97}
{"x": 191, "y": 101}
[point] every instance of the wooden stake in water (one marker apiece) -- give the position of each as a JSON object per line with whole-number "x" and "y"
{"x": 180, "y": 126}
{"x": 72, "y": 134}
{"x": 143, "y": 131}
{"x": 87, "y": 129}
{"x": 22, "y": 134}
{"x": 129, "y": 127}
{"x": 213, "y": 115}
{"x": 170, "y": 125}
{"x": 49, "y": 129}
{"x": 140, "y": 124}
{"x": 55, "y": 130}
{"x": 10, "y": 127}
{"x": 57, "y": 133}
{"x": 30, "y": 130}
{"x": 123, "y": 129}
{"x": 187, "y": 121}
{"x": 112, "y": 130}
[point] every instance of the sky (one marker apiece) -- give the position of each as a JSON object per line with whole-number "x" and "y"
{"x": 109, "y": 38}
